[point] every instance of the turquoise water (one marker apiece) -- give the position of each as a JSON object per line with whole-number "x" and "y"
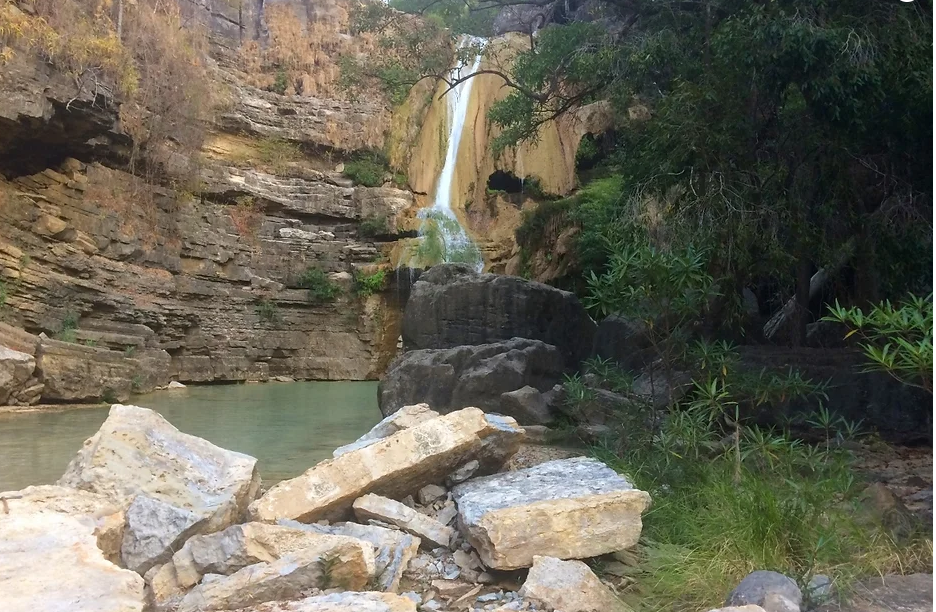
{"x": 288, "y": 427}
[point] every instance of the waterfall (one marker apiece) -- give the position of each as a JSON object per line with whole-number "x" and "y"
{"x": 442, "y": 238}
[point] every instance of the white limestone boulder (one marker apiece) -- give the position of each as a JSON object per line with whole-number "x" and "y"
{"x": 569, "y": 586}
{"x": 395, "y": 466}
{"x": 175, "y": 484}
{"x": 386, "y": 510}
{"x": 404, "y": 418}
{"x": 106, "y": 517}
{"x": 330, "y": 562}
{"x": 340, "y": 602}
{"x": 568, "y": 508}
{"x": 50, "y": 562}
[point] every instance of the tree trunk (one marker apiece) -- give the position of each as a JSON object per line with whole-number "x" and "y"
{"x": 801, "y": 309}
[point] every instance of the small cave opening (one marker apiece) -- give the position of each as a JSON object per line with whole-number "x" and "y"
{"x": 593, "y": 149}
{"x": 504, "y": 181}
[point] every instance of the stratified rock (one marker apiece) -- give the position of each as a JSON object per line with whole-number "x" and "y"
{"x": 568, "y": 508}
{"x": 771, "y": 590}
{"x": 404, "y": 418}
{"x": 340, "y": 602}
{"x": 331, "y": 561}
{"x": 138, "y": 456}
{"x": 569, "y": 586}
{"x": 393, "y": 549}
{"x": 16, "y": 377}
{"x": 478, "y": 375}
{"x": 452, "y": 305}
{"x": 105, "y": 516}
{"x": 77, "y": 373}
{"x": 398, "y": 465}
{"x": 51, "y": 562}
{"x": 393, "y": 512}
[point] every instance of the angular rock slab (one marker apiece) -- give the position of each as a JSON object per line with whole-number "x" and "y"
{"x": 398, "y": 465}
{"x": 106, "y": 517}
{"x": 50, "y": 562}
{"x": 340, "y": 602}
{"x": 333, "y": 561}
{"x": 393, "y": 549}
{"x": 568, "y": 508}
{"x": 136, "y": 452}
{"x": 569, "y": 586}
{"x": 404, "y": 418}
{"x": 393, "y": 512}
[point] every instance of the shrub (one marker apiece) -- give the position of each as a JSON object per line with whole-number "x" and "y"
{"x": 368, "y": 171}
{"x": 898, "y": 339}
{"x": 368, "y": 284}
{"x": 109, "y": 396}
{"x": 281, "y": 83}
{"x": 267, "y": 310}
{"x": 321, "y": 288}
{"x": 278, "y": 153}
{"x": 247, "y": 217}
{"x": 374, "y": 226}
{"x": 68, "y": 328}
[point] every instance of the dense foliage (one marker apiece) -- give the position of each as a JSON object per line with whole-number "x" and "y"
{"x": 786, "y": 136}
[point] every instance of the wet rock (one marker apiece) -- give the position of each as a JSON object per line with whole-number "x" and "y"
{"x": 398, "y": 465}
{"x": 137, "y": 456}
{"x": 404, "y": 418}
{"x": 50, "y": 562}
{"x": 452, "y": 305}
{"x": 477, "y": 375}
{"x": 568, "y": 586}
{"x": 568, "y": 508}
{"x": 104, "y": 515}
{"x": 771, "y": 590}
{"x": 393, "y": 549}
{"x": 429, "y": 530}
{"x": 332, "y": 561}
{"x": 340, "y": 602}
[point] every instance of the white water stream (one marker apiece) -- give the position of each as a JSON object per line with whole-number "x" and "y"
{"x": 456, "y": 245}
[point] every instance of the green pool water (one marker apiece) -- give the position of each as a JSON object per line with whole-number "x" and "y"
{"x": 288, "y": 427}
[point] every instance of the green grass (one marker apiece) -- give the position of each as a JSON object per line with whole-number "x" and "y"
{"x": 791, "y": 508}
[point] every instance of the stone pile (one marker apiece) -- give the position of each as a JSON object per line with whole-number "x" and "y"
{"x": 415, "y": 515}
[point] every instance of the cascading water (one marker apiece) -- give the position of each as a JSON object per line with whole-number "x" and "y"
{"x": 442, "y": 238}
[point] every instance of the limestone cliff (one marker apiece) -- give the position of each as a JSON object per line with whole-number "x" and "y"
{"x": 150, "y": 278}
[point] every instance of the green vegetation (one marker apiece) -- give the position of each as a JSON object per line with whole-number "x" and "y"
{"x": 321, "y": 288}
{"x": 68, "y": 328}
{"x": 373, "y": 226}
{"x": 281, "y": 83}
{"x": 267, "y": 310}
{"x": 366, "y": 285}
{"x": 278, "y": 153}
{"x": 130, "y": 350}
{"x": 109, "y": 396}
{"x": 897, "y": 339}
{"x": 366, "y": 171}
{"x": 4, "y": 292}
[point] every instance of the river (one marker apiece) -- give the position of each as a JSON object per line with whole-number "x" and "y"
{"x": 288, "y": 427}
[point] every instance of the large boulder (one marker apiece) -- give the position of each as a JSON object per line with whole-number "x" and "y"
{"x": 569, "y": 586}
{"x": 404, "y": 418}
{"x": 176, "y": 485}
{"x": 452, "y": 305}
{"x": 105, "y": 517}
{"x": 51, "y": 562}
{"x": 18, "y": 386}
{"x": 77, "y": 373}
{"x": 348, "y": 601}
{"x": 478, "y": 375}
{"x": 396, "y": 466}
{"x": 568, "y": 508}
{"x": 330, "y": 562}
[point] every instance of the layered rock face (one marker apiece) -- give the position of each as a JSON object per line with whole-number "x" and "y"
{"x": 200, "y": 282}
